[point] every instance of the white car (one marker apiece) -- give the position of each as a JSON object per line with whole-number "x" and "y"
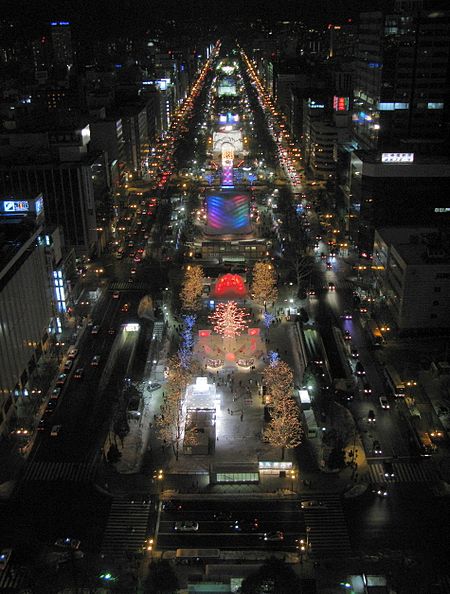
{"x": 384, "y": 402}
{"x": 186, "y": 526}
{"x": 68, "y": 543}
{"x": 95, "y": 360}
{"x": 5, "y": 555}
{"x": 95, "y": 330}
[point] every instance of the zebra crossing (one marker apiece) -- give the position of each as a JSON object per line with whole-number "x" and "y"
{"x": 125, "y": 286}
{"x": 11, "y": 579}
{"x": 405, "y": 472}
{"x": 77, "y": 472}
{"x": 158, "y": 330}
{"x": 326, "y": 527}
{"x": 126, "y": 530}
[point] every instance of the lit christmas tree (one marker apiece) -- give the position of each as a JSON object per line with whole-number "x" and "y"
{"x": 228, "y": 319}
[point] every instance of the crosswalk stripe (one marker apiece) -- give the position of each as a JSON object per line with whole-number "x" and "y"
{"x": 126, "y": 528}
{"x": 65, "y": 471}
{"x": 11, "y": 578}
{"x": 124, "y": 286}
{"x": 405, "y": 472}
{"x": 327, "y": 527}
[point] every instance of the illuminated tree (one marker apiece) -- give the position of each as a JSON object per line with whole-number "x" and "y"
{"x": 192, "y": 288}
{"x": 187, "y": 341}
{"x": 279, "y": 380}
{"x": 228, "y": 319}
{"x": 284, "y": 429}
{"x": 146, "y": 308}
{"x": 171, "y": 423}
{"x": 264, "y": 286}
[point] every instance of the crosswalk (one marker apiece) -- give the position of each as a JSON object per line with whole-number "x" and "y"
{"x": 77, "y": 472}
{"x": 11, "y": 579}
{"x": 326, "y": 527}
{"x": 158, "y": 330}
{"x": 124, "y": 286}
{"x": 405, "y": 472}
{"x": 126, "y": 530}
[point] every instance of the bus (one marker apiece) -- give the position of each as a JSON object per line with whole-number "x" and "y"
{"x": 374, "y": 332}
{"x": 394, "y": 382}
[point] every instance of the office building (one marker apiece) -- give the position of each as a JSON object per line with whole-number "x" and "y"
{"x": 414, "y": 276}
{"x": 62, "y": 43}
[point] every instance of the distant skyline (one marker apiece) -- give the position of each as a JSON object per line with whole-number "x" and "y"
{"x": 132, "y": 14}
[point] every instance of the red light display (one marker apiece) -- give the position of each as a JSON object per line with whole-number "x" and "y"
{"x": 340, "y": 103}
{"x": 230, "y": 285}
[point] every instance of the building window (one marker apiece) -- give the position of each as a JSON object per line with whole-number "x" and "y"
{"x": 433, "y": 316}
{"x": 435, "y": 302}
{"x": 437, "y": 289}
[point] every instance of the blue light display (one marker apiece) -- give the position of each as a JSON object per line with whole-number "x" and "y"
{"x": 228, "y": 213}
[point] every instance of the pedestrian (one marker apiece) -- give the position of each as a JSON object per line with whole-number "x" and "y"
{"x": 242, "y": 417}
{"x": 228, "y": 410}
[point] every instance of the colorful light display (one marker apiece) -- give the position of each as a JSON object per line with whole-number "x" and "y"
{"x": 230, "y": 285}
{"x": 228, "y": 319}
{"x": 228, "y": 213}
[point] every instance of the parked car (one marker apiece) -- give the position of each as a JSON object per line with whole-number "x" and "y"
{"x": 95, "y": 360}
{"x": 68, "y": 365}
{"x": 95, "y": 329}
{"x": 55, "y": 394}
{"x": 73, "y": 352}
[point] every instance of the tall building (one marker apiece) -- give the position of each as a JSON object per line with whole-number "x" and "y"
{"x": 396, "y": 168}
{"x": 62, "y": 43}
{"x": 401, "y": 82}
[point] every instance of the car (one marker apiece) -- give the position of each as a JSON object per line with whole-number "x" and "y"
{"x": 354, "y": 352}
{"x": 125, "y": 307}
{"x": 276, "y": 536}
{"x": 311, "y": 293}
{"x": 95, "y": 329}
{"x": 347, "y": 335}
{"x": 363, "y": 309}
{"x": 55, "y": 430}
{"x": 72, "y": 353}
{"x": 376, "y": 447}
{"x": 367, "y": 388}
{"x": 384, "y": 402}
{"x": 329, "y": 266}
{"x": 371, "y": 416}
{"x": 79, "y": 373}
{"x": 5, "y": 556}
{"x": 68, "y": 365}
{"x": 133, "y": 271}
{"x": 68, "y": 543}
{"x": 343, "y": 396}
{"x": 331, "y": 287}
{"x": 359, "y": 369}
{"x": 43, "y": 423}
{"x": 347, "y": 315}
{"x": 116, "y": 295}
{"x": 388, "y": 469}
{"x": 381, "y": 490}
{"x": 111, "y": 331}
{"x": 55, "y": 393}
{"x": 312, "y": 504}
{"x": 245, "y": 525}
{"x": 95, "y": 360}
{"x": 172, "y": 506}
{"x": 186, "y": 526}
{"x": 61, "y": 380}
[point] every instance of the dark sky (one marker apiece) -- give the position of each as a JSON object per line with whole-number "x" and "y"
{"x": 135, "y": 12}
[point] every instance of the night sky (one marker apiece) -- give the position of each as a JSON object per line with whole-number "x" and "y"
{"x": 133, "y": 13}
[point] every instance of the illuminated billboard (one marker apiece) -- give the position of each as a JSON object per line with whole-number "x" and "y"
{"x": 341, "y": 103}
{"x": 397, "y": 157}
{"x": 226, "y": 87}
{"x": 228, "y": 212}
